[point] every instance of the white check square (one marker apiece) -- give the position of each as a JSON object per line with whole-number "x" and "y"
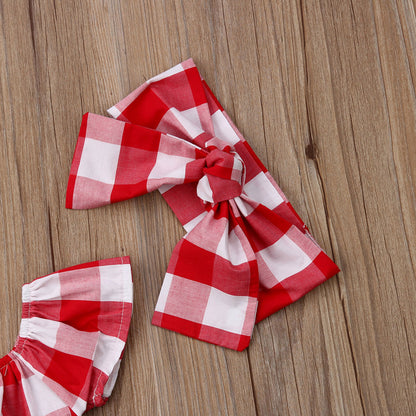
{"x": 164, "y": 292}
{"x": 115, "y": 283}
{"x": 169, "y": 166}
{"x": 261, "y": 190}
{"x": 284, "y": 258}
{"x": 99, "y": 161}
{"x": 34, "y": 388}
{"x": 226, "y": 312}
{"x": 223, "y": 129}
{"x": 231, "y": 249}
{"x": 189, "y": 119}
{"x": 47, "y": 288}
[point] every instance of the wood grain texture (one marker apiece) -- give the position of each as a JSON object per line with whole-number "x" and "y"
{"x": 324, "y": 91}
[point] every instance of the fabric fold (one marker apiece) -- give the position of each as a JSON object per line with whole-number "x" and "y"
{"x": 246, "y": 253}
{"x": 71, "y": 339}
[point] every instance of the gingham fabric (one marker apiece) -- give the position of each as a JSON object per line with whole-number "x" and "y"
{"x": 72, "y": 336}
{"x": 246, "y": 252}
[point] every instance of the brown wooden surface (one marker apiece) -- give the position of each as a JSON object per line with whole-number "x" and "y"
{"x": 324, "y": 91}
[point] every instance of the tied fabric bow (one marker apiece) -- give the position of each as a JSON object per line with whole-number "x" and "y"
{"x": 246, "y": 253}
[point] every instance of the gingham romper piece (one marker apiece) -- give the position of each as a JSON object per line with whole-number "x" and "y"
{"x": 246, "y": 252}
{"x": 71, "y": 340}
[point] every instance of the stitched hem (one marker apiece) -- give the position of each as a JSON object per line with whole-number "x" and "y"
{"x": 100, "y": 394}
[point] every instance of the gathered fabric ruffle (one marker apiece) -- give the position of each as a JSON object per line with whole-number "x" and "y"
{"x": 71, "y": 340}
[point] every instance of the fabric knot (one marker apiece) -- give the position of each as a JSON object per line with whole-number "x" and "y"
{"x": 240, "y": 260}
{"x": 223, "y": 178}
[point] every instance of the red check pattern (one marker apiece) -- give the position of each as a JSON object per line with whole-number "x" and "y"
{"x": 71, "y": 340}
{"x": 246, "y": 253}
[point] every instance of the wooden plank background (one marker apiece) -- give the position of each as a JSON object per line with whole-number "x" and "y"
{"x": 324, "y": 91}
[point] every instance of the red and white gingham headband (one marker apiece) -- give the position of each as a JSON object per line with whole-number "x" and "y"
{"x": 246, "y": 253}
